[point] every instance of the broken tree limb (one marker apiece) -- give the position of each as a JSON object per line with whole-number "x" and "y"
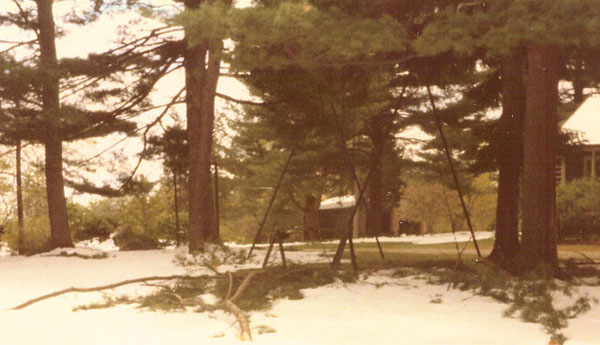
{"x": 227, "y": 304}
{"x": 98, "y": 288}
{"x": 240, "y": 290}
{"x": 230, "y": 288}
{"x": 240, "y": 316}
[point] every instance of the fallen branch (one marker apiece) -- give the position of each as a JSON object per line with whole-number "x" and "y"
{"x": 98, "y": 288}
{"x": 240, "y": 316}
{"x": 230, "y": 288}
{"x": 227, "y": 304}
{"x": 240, "y": 290}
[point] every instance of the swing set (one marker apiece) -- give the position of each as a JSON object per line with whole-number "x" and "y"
{"x": 346, "y": 236}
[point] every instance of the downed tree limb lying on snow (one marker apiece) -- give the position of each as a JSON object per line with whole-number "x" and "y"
{"x": 98, "y": 288}
{"x": 227, "y": 304}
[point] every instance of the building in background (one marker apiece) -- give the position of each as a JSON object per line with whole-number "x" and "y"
{"x": 584, "y": 160}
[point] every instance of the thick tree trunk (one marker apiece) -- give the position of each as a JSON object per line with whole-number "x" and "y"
{"x": 538, "y": 245}
{"x": 375, "y": 202}
{"x": 59, "y": 223}
{"x": 506, "y": 245}
{"x": 20, "y": 216}
{"x": 201, "y": 65}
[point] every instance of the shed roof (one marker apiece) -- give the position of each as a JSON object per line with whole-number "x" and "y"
{"x": 338, "y": 202}
{"x": 585, "y": 121}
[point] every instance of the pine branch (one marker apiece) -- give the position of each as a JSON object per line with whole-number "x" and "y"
{"x": 89, "y": 188}
{"x": 26, "y": 20}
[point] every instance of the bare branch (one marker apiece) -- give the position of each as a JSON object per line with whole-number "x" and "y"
{"x": 174, "y": 100}
{"x": 240, "y": 290}
{"x": 98, "y": 288}
{"x": 240, "y": 101}
{"x": 26, "y": 19}
{"x": 15, "y": 45}
{"x": 240, "y": 316}
{"x": 229, "y": 289}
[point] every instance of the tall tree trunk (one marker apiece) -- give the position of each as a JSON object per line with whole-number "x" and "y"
{"x": 60, "y": 235}
{"x": 538, "y": 245}
{"x": 201, "y": 64}
{"x": 375, "y": 205}
{"x": 176, "y": 206}
{"x": 506, "y": 245}
{"x": 20, "y": 217}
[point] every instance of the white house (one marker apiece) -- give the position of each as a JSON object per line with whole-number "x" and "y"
{"x": 585, "y": 125}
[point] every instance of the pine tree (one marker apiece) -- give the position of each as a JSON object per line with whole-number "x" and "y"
{"x": 57, "y": 206}
{"x": 27, "y": 84}
{"x": 543, "y": 28}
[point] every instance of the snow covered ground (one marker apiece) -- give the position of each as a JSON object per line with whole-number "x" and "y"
{"x": 378, "y": 309}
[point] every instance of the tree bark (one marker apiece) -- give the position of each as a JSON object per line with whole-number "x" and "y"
{"x": 506, "y": 244}
{"x": 201, "y": 64}
{"x": 60, "y": 235}
{"x": 538, "y": 245}
{"x": 375, "y": 210}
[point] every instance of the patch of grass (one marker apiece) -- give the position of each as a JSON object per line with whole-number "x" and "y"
{"x": 484, "y": 245}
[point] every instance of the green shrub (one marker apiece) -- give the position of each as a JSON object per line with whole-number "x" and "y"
{"x": 36, "y": 235}
{"x": 129, "y": 239}
{"x": 578, "y": 202}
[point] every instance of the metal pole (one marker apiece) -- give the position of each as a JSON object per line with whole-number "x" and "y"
{"x": 264, "y": 220}
{"x": 217, "y": 195}
{"x": 451, "y": 164}
{"x": 340, "y": 249}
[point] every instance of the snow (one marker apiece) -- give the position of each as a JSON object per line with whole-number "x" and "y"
{"x": 379, "y": 308}
{"x": 106, "y": 246}
{"x": 585, "y": 121}
{"x": 4, "y": 249}
{"x": 338, "y": 202}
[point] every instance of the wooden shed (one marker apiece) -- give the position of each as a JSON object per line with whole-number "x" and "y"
{"x": 334, "y": 214}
